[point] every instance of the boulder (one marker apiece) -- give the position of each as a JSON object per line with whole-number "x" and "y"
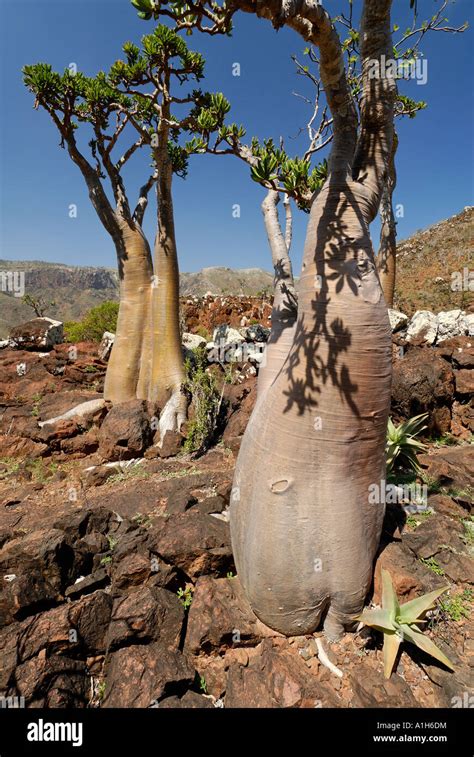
{"x": 37, "y": 334}
{"x": 141, "y": 675}
{"x": 125, "y": 432}
{"x": 452, "y": 467}
{"x": 53, "y": 682}
{"x": 423, "y": 328}
{"x": 191, "y": 700}
{"x": 371, "y": 689}
{"x": 220, "y": 615}
{"x": 459, "y": 349}
{"x": 256, "y": 333}
{"x": 410, "y": 577}
{"x": 41, "y": 563}
{"x": 398, "y": 320}
{"x": 196, "y": 543}
{"x": 225, "y": 336}
{"x": 451, "y": 323}
{"x": 464, "y": 381}
{"x": 106, "y": 344}
{"x": 146, "y": 615}
{"x": 462, "y": 422}
{"x": 19, "y": 446}
{"x": 131, "y": 571}
{"x": 67, "y": 628}
{"x": 192, "y": 341}
{"x": 422, "y": 382}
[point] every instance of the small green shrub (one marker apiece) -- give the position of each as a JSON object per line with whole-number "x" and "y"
{"x": 206, "y": 401}
{"x": 457, "y": 606}
{"x": 202, "y": 331}
{"x": 433, "y": 565}
{"x": 185, "y": 596}
{"x": 99, "y": 319}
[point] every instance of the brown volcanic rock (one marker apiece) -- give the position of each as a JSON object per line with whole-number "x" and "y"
{"x": 196, "y": 543}
{"x": 422, "y": 382}
{"x": 139, "y": 676}
{"x": 220, "y": 615}
{"x": 276, "y": 678}
{"x": 42, "y": 565}
{"x": 52, "y": 682}
{"x": 464, "y": 381}
{"x": 145, "y": 615}
{"x": 451, "y": 466}
{"x": 37, "y": 334}
{"x": 125, "y": 432}
{"x": 371, "y": 689}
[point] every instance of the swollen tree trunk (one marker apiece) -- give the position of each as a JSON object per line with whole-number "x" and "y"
{"x": 387, "y": 255}
{"x": 130, "y": 353}
{"x": 135, "y": 272}
{"x": 167, "y": 372}
{"x": 284, "y": 309}
{"x": 304, "y": 528}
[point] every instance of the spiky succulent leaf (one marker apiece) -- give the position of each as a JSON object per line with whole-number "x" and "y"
{"x": 377, "y": 618}
{"x": 391, "y": 644}
{"x": 389, "y": 597}
{"x": 411, "y": 612}
{"x": 423, "y": 642}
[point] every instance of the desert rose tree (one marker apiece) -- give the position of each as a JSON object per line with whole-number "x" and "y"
{"x": 138, "y": 94}
{"x": 304, "y": 534}
{"x": 176, "y": 123}
{"x": 78, "y": 104}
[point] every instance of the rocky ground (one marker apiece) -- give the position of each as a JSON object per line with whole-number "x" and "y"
{"x": 118, "y": 585}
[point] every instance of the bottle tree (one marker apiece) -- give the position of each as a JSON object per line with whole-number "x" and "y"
{"x": 88, "y": 111}
{"x": 149, "y": 94}
{"x": 304, "y": 529}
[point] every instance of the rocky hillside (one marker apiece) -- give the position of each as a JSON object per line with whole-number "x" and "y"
{"x": 75, "y": 289}
{"x": 428, "y": 264}
{"x": 127, "y": 546}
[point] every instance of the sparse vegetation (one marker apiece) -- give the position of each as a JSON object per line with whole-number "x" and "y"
{"x": 101, "y": 318}
{"x": 8, "y": 466}
{"x": 36, "y": 402}
{"x": 433, "y": 565}
{"x": 185, "y": 596}
{"x": 415, "y": 520}
{"x": 201, "y": 384}
{"x": 202, "y": 331}
{"x": 468, "y": 535}
{"x": 131, "y": 472}
{"x": 457, "y": 606}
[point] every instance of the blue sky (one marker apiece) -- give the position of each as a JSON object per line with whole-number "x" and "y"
{"x": 39, "y": 182}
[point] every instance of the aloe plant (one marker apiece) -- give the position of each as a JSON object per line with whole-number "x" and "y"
{"x": 400, "y": 623}
{"x": 401, "y": 444}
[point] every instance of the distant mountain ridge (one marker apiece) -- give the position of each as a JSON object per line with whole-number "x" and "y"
{"x": 76, "y": 289}
{"x": 426, "y": 262}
